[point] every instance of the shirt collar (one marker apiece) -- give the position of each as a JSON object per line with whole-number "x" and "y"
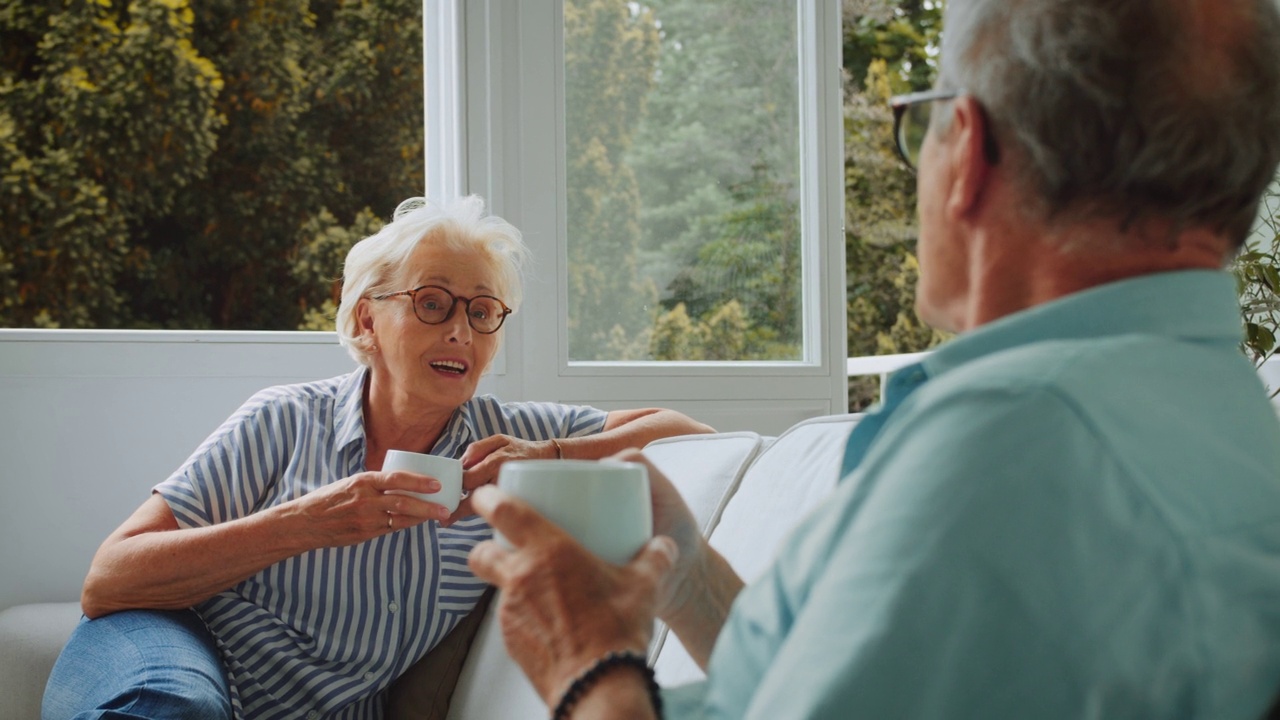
{"x": 348, "y": 416}
{"x": 457, "y": 434}
{"x": 1193, "y": 305}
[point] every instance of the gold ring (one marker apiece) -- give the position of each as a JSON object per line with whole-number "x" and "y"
{"x": 389, "y": 517}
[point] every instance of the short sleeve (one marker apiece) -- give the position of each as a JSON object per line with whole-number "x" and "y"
{"x": 229, "y": 474}
{"x": 536, "y": 420}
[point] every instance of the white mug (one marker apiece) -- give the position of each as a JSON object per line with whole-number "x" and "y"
{"x": 603, "y": 504}
{"x": 447, "y": 470}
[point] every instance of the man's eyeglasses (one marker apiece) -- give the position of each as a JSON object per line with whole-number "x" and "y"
{"x": 433, "y": 305}
{"x": 911, "y": 123}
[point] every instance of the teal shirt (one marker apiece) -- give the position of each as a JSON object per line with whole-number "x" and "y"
{"x": 1071, "y": 512}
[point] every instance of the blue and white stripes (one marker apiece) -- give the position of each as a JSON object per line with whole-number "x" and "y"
{"x": 323, "y": 634}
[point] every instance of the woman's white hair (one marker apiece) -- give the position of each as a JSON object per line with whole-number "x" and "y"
{"x": 373, "y": 265}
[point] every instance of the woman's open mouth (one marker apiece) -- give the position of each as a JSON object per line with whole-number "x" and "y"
{"x": 449, "y": 367}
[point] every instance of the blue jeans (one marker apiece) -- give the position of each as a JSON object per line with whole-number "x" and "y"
{"x": 138, "y": 664}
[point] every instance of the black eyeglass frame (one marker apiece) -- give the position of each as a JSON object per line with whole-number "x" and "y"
{"x": 900, "y": 105}
{"x": 413, "y": 294}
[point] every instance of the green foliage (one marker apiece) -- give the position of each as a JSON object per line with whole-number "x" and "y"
{"x": 753, "y": 266}
{"x": 171, "y": 166}
{"x": 1257, "y": 273}
{"x": 717, "y": 166}
{"x": 106, "y": 117}
{"x": 892, "y": 45}
{"x": 610, "y": 53}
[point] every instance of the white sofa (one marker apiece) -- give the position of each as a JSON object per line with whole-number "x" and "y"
{"x": 746, "y": 491}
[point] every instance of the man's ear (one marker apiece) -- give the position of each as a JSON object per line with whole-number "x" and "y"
{"x": 971, "y": 169}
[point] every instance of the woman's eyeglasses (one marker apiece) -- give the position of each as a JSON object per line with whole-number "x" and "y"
{"x": 433, "y": 305}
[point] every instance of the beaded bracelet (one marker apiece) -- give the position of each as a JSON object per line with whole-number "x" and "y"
{"x": 583, "y": 682}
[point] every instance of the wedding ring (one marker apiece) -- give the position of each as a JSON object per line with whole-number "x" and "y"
{"x": 389, "y": 517}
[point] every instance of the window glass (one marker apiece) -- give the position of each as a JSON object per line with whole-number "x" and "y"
{"x": 199, "y": 165}
{"x": 682, "y": 142}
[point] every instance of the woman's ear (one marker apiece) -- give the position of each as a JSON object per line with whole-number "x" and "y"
{"x": 364, "y": 317}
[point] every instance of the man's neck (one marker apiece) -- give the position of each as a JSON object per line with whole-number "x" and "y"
{"x": 1009, "y": 274}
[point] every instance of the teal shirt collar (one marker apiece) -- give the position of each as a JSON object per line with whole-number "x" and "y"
{"x": 1194, "y": 305}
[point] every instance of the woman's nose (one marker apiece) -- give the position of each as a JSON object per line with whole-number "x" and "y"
{"x": 459, "y": 327}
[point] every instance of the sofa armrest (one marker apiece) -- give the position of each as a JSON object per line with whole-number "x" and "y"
{"x": 31, "y": 636}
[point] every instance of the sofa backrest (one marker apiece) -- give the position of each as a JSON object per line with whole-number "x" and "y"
{"x": 779, "y": 488}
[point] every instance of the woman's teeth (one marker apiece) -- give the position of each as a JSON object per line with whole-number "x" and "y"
{"x": 449, "y": 366}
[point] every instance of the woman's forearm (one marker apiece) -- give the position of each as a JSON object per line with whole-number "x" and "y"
{"x": 631, "y": 429}
{"x": 150, "y": 563}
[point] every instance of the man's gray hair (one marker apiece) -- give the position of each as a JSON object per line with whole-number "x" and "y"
{"x": 375, "y": 264}
{"x": 1130, "y": 109}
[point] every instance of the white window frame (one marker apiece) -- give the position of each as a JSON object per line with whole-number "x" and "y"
{"x": 496, "y": 127}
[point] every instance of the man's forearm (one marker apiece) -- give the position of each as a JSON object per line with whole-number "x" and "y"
{"x": 703, "y": 605}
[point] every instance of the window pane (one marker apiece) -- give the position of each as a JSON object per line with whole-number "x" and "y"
{"x": 199, "y": 165}
{"x": 682, "y": 137}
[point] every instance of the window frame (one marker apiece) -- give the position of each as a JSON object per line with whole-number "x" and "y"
{"x": 502, "y": 63}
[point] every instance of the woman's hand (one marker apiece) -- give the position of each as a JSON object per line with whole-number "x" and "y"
{"x": 149, "y": 562}
{"x": 483, "y": 458}
{"x": 366, "y": 505}
{"x": 561, "y": 607}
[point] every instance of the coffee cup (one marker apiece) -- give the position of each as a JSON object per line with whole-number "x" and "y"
{"x": 604, "y": 504}
{"x": 447, "y": 471}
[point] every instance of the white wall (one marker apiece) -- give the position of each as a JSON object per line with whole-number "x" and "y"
{"x": 92, "y": 419}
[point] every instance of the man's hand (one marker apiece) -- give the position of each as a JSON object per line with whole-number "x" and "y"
{"x": 561, "y": 607}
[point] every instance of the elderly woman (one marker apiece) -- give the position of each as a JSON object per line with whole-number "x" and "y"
{"x": 275, "y": 575}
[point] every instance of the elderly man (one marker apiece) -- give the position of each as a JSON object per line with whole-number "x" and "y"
{"x": 1073, "y": 509}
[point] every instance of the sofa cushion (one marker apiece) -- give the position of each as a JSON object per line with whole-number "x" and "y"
{"x": 706, "y": 469}
{"x": 31, "y": 636}
{"x": 784, "y": 483}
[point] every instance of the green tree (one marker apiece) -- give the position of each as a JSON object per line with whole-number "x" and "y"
{"x": 753, "y": 263}
{"x": 610, "y": 51}
{"x": 889, "y": 44}
{"x": 107, "y": 117}
{"x": 718, "y": 150}
{"x": 167, "y": 168}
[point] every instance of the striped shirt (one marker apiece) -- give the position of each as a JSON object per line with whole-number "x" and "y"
{"x": 324, "y": 633}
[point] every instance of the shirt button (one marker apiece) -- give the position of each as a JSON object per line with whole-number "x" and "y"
{"x": 313, "y": 715}
{"x": 393, "y": 606}
{"x": 368, "y": 677}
